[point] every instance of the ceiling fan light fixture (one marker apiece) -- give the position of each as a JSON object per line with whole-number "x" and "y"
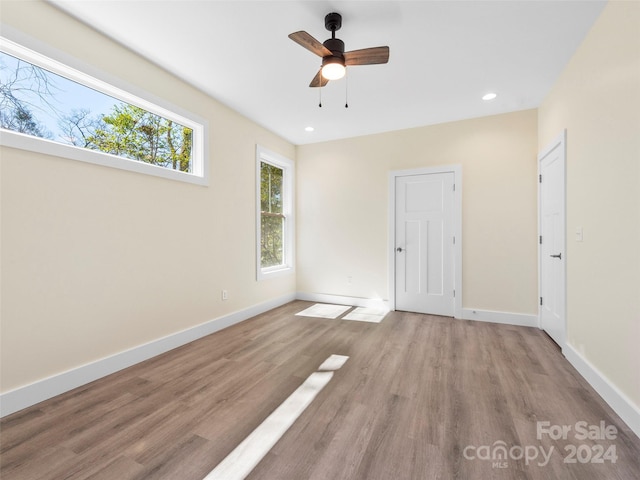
{"x": 334, "y": 58}
{"x": 333, "y": 68}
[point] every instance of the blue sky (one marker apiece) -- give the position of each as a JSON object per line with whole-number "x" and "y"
{"x": 68, "y": 94}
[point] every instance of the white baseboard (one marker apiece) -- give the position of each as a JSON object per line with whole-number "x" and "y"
{"x": 520, "y": 319}
{"x": 23, "y": 397}
{"x": 618, "y": 401}
{"x": 341, "y": 300}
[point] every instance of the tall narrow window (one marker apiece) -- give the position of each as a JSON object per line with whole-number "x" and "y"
{"x": 275, "y": 216}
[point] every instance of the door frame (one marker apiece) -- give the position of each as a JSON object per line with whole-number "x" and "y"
{"x": 457, "y": 230}
{"x": 560, "y": 142}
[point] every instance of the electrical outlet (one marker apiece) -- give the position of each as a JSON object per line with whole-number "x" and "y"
{"x": 225, "y": 295}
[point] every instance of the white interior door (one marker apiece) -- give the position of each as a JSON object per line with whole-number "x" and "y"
{"x": 424, "y": 253}
{"x": 552, "y": 241}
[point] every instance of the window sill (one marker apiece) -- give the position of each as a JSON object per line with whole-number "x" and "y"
{"x": 273, "y": 272}
{"x": 48, "y": 147}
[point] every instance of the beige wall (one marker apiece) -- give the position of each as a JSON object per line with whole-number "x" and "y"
{"x": 97, "y": 260}
{"x": 342, "y": 208}
{"x": 597, "y": 99}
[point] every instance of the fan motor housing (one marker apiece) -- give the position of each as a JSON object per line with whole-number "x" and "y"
{"x": 335, "y": 45}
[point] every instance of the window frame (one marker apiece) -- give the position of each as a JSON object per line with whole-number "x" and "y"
{"x": 264, "y": 155}
{"x": 72, "y": 69}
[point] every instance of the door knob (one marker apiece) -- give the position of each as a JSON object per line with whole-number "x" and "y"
{"x": 399, "y": 249}
{"x": 557, "y": 256}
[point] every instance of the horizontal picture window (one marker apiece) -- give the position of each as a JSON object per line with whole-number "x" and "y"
{"x": 43, "y": 103}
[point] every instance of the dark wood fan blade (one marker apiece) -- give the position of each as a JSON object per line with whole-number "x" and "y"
{"x": 367, "y": 56}
{"x": 318, "y": 80}
{"x": 310, "y": 43}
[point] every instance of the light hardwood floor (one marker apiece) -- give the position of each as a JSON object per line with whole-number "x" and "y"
{"x": 417, "y": 396}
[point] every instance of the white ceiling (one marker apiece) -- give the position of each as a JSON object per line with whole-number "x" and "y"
{"x": 445, "y": 55}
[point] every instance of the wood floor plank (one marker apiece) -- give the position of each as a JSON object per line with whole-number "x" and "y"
{"x": 416, "y": 393}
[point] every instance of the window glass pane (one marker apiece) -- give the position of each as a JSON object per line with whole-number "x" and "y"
{"x": 39, "y": 103}
{"x": 270, "y": 188}
{"x": 271, "y": 244}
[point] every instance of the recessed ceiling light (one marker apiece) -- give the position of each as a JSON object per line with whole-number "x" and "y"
{"x": 489, "y": 96}
{"x": 309, "y": 129}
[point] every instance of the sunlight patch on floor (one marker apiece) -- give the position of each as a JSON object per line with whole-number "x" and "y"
{"x": 241, "y": 461}
{"x": 323, "y": 310}
{"x": 367, "y": 314}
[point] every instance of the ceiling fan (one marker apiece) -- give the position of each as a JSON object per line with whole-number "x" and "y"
{"x": 334, "y": 58}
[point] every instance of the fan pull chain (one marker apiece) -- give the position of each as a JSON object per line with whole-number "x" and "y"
{"x": 346, "y": 88}
{"x": 320, "y": 95}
